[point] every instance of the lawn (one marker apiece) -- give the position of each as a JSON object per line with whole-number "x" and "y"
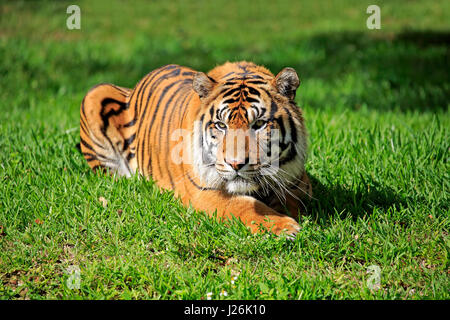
{"x": 376, "y": 104}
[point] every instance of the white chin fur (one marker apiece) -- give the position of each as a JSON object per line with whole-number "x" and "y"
{"x": 241, "y": 186}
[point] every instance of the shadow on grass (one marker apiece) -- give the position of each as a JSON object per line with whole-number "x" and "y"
{"x": 405, "y": 71}
{"x": 425, "y": 38}
{"x": 338, "y": 201}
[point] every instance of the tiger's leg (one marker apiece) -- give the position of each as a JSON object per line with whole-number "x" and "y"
{"x": 107, "y": 130}
{"x": 299, "y": 194}
{"x": 249, "y": 210}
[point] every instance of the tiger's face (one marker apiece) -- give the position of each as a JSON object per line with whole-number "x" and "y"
{"x": 250, "y": 137}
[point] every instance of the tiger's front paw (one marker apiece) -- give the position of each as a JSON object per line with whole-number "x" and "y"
{"x": 285, "y": 225}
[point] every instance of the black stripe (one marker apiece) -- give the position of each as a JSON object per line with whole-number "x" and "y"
{"x": 198, "y": 186}
{"x": 131, "y": 123}
{"x": 228, "y": 74}
{"x": 229, "y": 83}
{"x": 280, "y": 123}
{"x": 87, "y": 145}
{"x": 154, "y": 85}
{"x": 87, "y": 154}
{"x": 83, "y": 125}
{"x": 162, "y": 122}
{"x": 202, "y": 118}
{"x": 128, "y": 141}
{"x": 122, "y": 91}
{"x": 256, "y": 82}
{"x": 293, "y": 129}
{"x": 273, "y": 109}
{"x": 250, "y": 99}
{"x": 155, "y": 111}
{"x": 141, "y": 87}
{"x": 172, "y": 112}
{"x": 290, "y": 156}
{"x": 253, "y": 91}
{"x": 103, "y": 131}
{"x": 179, "y": 105}
{"x": 257, "y": 110}
{"x": 185, "y": 106}
{"x": 96, "y": 154}
{"x": 145, "y": 83}
{"x": 220, "y": 92}
{"x": 82, "y": 108}
{"x": 228, "y": 101}
{"x": 105, "y": 117}
{"x": 267, "y": 92}
{"x": 218, "y": 112}
{"x": 221, "y": 112}
{"x": 168, "y": 103}
{"x": 230, "y": 92}
{"x": 91, "y": 157}
{"x": 100, "y": 146}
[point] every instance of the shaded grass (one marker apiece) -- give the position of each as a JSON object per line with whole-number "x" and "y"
{"x": 376, "y": 106}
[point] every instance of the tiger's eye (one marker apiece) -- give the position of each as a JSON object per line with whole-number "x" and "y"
{"x": 258, "y": 124}
{"x": 221, "y": 125}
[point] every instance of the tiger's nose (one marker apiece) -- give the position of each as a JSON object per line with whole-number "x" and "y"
{"x": 236, "y": 164}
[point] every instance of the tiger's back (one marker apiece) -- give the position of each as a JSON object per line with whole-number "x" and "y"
{"x": 129, "y": 131}
{"x": 161, "y": 101}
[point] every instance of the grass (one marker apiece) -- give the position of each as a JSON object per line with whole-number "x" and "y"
{"x": 376, "y": 107}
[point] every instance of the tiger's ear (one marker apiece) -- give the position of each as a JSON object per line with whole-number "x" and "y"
{"x": 203, "y": 84}
{"x": 287, "y": 82}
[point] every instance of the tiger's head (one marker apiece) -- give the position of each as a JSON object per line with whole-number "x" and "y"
{"x": 249, "y": 137}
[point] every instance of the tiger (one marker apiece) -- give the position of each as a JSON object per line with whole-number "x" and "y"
{"x": 231, "y": 142}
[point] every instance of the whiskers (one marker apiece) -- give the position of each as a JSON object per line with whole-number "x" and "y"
{"x": 208, "y": 181}
{"x": 283, "y": 183}
{"x": 262, "y": 182}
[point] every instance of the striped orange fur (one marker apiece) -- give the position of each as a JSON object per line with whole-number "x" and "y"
{"x": 180, "y": 127}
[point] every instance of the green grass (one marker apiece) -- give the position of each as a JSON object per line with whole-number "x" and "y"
{"x": 376, "y": 107}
